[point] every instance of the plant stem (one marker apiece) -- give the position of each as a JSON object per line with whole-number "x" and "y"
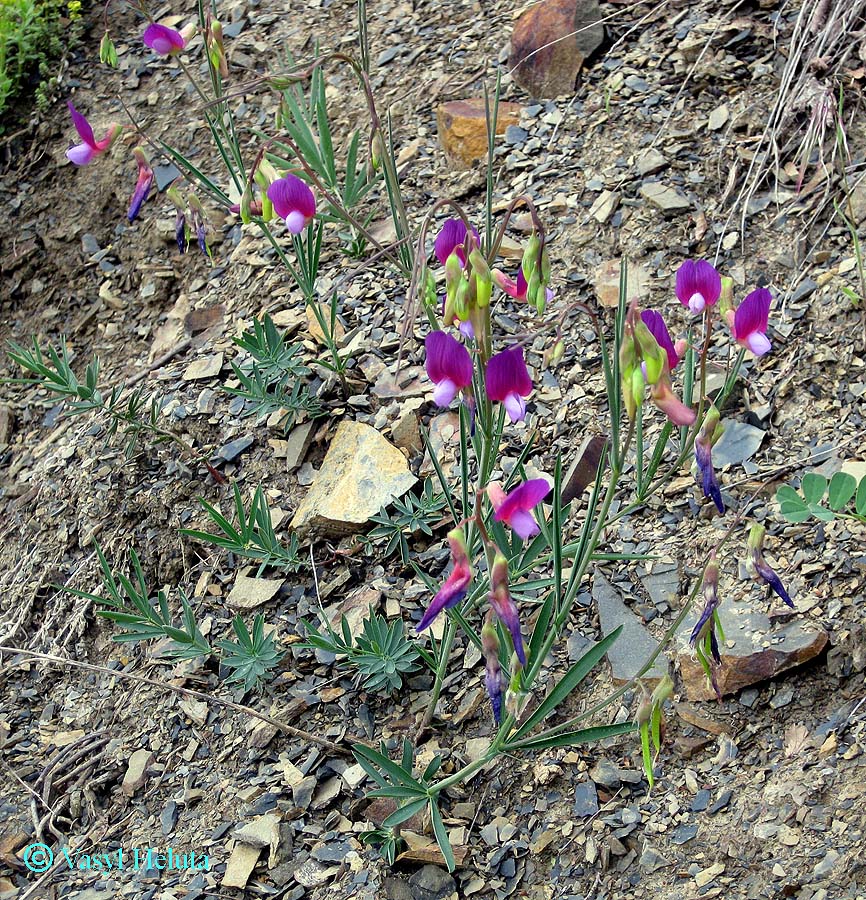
{"x": 444, "y": 655}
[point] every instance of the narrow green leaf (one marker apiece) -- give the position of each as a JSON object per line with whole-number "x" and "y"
{"x": 568, "y": 683}
{"x": 387, "y": 765}
{"x": 572, "y": 738}
{"x": 405, "y": 812}
{"x": 647, "y": 755}
{"x": 441, "y": 835}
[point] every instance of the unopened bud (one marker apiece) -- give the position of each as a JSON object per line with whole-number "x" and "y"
{"x": 726, "y": 298}
{"x": 663, "y": 690}
{"x": 377, "y": 150}
{"x": 107, "y": 51}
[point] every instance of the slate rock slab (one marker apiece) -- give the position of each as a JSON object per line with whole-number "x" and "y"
{"x": 634, "y": 645}
{"x": 754, "y": 650}
{"x": 739, "y": 442}
{"x": 550, "y": 44}
{"x": 360, "y": 474}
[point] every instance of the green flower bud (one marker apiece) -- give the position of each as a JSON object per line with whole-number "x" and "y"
{"x": 107, "y": 51}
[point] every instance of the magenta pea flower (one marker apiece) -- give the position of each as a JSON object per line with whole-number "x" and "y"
{"x": 81, "y": 154}
{"x": 449, "y": 366}
{"x": 508, "y": 382}
{"x": 163, "y": 40}
{"x": 293, "y": 201}
{"x": 515, "y": 507}
{"x": 452, "y": 239}
{"x": 656, "y": 324}
{"x": 455, "y": 586}
{"x": 750, "y": 322}
{"x": 142, "y": 186}
{"x": 698, "y": 285}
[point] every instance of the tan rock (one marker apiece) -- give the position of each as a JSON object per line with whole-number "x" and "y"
{"x": 360, "y": 474}
{"x": 316, "y": 329}
{"x": 550, "y": 44}
{"x": 136, "y": 771}
{"x": 248, "y": 593}
{"x": 462, "y": 126}
{"x": 607, "y": 282}
{"x": 240, "y": 865}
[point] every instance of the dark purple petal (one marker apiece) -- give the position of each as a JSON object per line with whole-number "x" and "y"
{"x": 772, "y": 579}
{"x": 452, "y": 236}
{"x": 714, "y": 649}
{"x": 507, "y": 374}
{"x": 698, "y": 284}
{"x": 162, "y": 39}
{"x": 506, "y": 612}
{"x": 656, "y": 325}
{"x": 705, "y": 616}
{"x": 447, "y": 360}
{"x": 493, "y": 681}
{"x": 293, "y": 201}
{"x": 82, "y": 126}
{"x": 449, "y": 595}
{"x": 180, "y": 231}
{"x": 752, "y": 314}
{"x": 523, "y": 498}
{"x": 704, "y": 459}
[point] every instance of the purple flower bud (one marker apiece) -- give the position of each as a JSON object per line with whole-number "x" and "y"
{"x": 142, "y": 185}
{"x": 449, "y": 366}
{"x": 698, "y": 285}
{"x": 504, "y": 606}
{"x": 180, "y": 230}
{"x": 508, "y": 382}
{"x": 293, "y": 201}
{"x": 706, "y": 621}
{"x": 452, "y": 239}
{"x": 493, "y": 678}
{"x": 709, "y": 433}
{"x": 163, "y": 40}
{"x": 750, "y": 322}
{"x": 455, "y": 586}
{"x": 656, "y": 324}
{"x": 758, "y": 567}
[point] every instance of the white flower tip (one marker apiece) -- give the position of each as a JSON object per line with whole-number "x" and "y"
{"x": 697, "y": 303}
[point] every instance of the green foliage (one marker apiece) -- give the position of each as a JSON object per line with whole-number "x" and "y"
{"x": 798, "y": 506}
{"x": 381, "y": 653}
{"x": 305, "y": 119}
{"x": 250, "y": 535}
{"x": 253, "y": 657}
{"x": 32, "y": 36}
{"x": 131, "y": 414}
{"x": 410, "y": 515}
{"x": 132, "y": 609}
{"x": 270, "y": 351}
{"x": 270, "y": 380}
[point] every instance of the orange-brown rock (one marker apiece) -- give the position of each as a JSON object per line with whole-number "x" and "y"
{"x": 462, "y": 126}
{"x": 550, "y": 43}
{"x": 754, "y": 650}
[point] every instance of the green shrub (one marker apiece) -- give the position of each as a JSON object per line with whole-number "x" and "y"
{"x": 32, "y": 36}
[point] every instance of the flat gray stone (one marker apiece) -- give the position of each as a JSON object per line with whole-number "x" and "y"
{"x": 207, "y": 367}
{"x": 297, "y": 444}
{"x": 664, "y": 198}
{"x": 248, "y": 593}
{"x": 634, "y": 645}
{"x": 739, "y": 442}
{"x": 585, "y": 800}
{"x": 650, "y": 163}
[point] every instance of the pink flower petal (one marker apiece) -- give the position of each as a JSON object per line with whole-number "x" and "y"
{"x": 524, "y": 497}
{"x": 698, "y": 284}
{"x": 659, "y": 331}
{"x": 752, "y": 314}
{"x": 452, "y": 236}
{"x": 162, "y": 39}
{"x": 524, "y": 524}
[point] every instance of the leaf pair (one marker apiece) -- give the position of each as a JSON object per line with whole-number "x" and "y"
{"x": 798, "y": 506}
